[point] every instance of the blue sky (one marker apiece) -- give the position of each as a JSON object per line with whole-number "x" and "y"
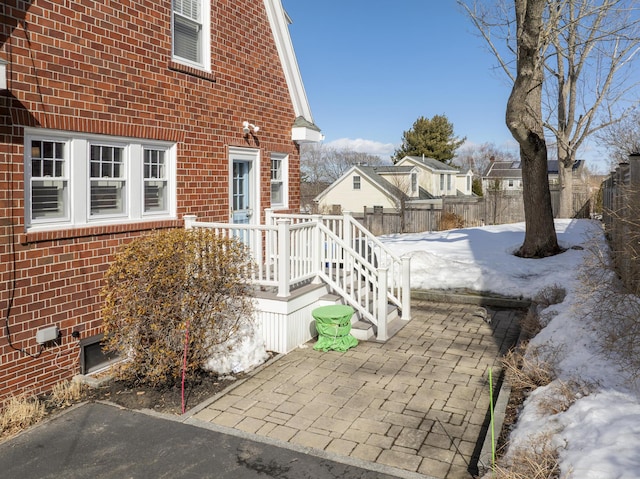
{"x": 371, "y": 68}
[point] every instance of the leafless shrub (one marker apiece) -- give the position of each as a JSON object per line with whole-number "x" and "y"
{"x": 550, "y": 295}
{"x": 172, "y": 296}
{"x": 614, "y": 309}
{"x": 530, "y": 325}
{"x": 450, "y": 221}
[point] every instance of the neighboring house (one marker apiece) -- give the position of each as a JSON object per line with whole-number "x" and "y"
{"x": 119, "y": 119}
{"x": 577, "y": 172}
{"x": 503, "y": 176}
{"x": 507, "y": 175}
{"x": 412, "y": 179}
{"x": 388, "y": 187}
{"x": 435, "y": 177}
{"x": 464, "y": 182}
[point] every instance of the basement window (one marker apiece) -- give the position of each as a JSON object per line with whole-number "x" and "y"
{"x": 92, "y": 357}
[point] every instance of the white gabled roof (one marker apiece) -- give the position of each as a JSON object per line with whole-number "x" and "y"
{"x": 303, "y": 130}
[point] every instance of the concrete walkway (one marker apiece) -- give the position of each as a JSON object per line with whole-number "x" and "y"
{"x": 415, "y": 406}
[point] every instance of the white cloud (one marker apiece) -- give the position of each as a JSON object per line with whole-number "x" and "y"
{"x": 383, "y": 150}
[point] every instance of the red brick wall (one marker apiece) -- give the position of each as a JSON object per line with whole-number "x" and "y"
{"x": 105, "y": 67}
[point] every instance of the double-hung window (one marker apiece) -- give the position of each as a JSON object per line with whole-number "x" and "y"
{"x": 278, "y": 180}
{"x": 155, "y": 180}
{"x": 49, "y": 183}
{"x": 75, "y": 179}
{"x": 356, "y": 182}
{"x": 190, "y": 29}
{"x": 107, "y": 180}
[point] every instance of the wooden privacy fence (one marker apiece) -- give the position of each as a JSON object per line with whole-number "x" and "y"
{"x": 493, "y": 208}
{"x": 621, "y": 217}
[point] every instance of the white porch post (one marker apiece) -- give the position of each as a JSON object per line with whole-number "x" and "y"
{"x": 347, "y": 230}
{"x": 189, "y": 221}
{"x": 382, "y": 304}
{"x": 406, "y": 288}
{"x": 316, "y": 248}
{"x": 284, "y": 254}
{"x": 268, "y": 216}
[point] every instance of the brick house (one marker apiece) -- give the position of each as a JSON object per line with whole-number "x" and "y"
{"x": 118, "y": 117}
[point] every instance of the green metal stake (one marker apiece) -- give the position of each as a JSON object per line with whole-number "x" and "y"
{"x": 493, "y": 442}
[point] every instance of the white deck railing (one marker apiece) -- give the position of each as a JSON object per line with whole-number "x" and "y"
{"x": 290, "y": 250}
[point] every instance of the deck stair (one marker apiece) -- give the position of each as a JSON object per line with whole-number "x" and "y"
{"x": 294, "y": 252}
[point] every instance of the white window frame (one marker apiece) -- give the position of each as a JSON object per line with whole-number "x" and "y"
{"x": 77, "y": 161}
{"x": 64, "y": 217}
{"x": 163, "y": 178}
{"x": 414, "y": 183}
{"x": 122, "y": 180}
{"x": 283, "y": 179}
{"x": 357, "y": 182}
{"x": 204, "y": 23}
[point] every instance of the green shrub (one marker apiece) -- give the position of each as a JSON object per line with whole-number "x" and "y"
{"x": 166, "y": 286}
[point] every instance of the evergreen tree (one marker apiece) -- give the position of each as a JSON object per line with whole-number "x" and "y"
{"x": 433, "y": 138}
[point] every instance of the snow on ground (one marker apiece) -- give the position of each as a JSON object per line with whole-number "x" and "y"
{"x": 599, "y": 435}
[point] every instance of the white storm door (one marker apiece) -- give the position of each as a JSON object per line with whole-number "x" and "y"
{"x": 243, "y": 198}
{"x": 241, "y": 210}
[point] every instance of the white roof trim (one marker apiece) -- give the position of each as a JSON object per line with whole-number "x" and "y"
{"x": 279, "y": 27}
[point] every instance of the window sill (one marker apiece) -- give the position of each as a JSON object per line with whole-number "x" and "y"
{"x": 97, "y": 230}
{"x": 189, "y": 70}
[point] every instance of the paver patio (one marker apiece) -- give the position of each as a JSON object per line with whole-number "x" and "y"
{"x": 418, "y": 402}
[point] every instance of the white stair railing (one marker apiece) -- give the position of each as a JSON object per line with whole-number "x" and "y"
{"x": 293, "y": 249}
{"x": 359, "y": 239}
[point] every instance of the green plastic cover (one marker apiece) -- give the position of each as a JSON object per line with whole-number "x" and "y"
{"x": 334, "y": 326}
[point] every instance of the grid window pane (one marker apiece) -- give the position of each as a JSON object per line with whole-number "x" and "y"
{"x": 277, "y": 180}
{"x": 155, "y": 181}
{"x": 49, "y": 187}
{"x": 107, "y": 182}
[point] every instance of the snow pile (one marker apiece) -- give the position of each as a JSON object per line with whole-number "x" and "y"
{"x": 242, "y": 352}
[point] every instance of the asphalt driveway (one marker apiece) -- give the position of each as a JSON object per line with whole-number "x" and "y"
{"x": 102, "y": 441}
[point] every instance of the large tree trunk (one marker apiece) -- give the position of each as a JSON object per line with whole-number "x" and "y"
{"x": 565, "y": 177}
{"x": 524, "y": 120}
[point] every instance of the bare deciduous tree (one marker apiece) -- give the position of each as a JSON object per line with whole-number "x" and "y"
{"x": 623, "y": 138}
{"x": 479, "y": 157}
{"x": 320, "y": 163}
{"x": 524, "y": 120}
{"x": 588, "y": 47}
